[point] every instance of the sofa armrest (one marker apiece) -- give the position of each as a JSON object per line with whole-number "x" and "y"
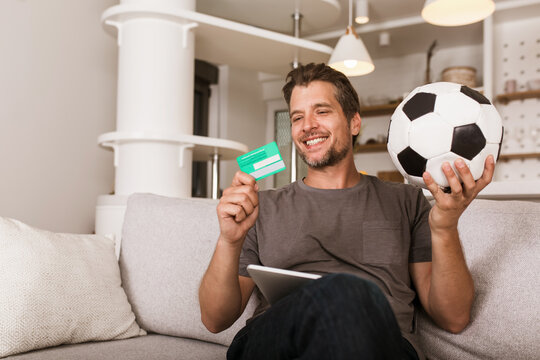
{"x": 501, "y": 241}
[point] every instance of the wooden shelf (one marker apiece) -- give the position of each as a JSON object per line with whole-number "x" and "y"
{"x": 519, "y": 156}
{"x": 521, "y": 95}
{"x": 376, "y": 110}
{"x": 369, "y": 148}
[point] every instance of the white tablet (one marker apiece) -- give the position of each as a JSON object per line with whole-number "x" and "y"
{"x": 276, "y": 283}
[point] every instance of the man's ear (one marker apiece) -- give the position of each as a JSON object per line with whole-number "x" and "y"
{"x": 356, "y": 122}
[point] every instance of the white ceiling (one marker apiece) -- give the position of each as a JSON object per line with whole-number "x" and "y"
{"x": 333, "y": 15}
{"x": 327, "y": 24}
{"x": 276, "y": 15}
{"x": 383, "y": 10}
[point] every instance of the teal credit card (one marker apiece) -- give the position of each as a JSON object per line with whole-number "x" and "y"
{"x": 262, "y": 162}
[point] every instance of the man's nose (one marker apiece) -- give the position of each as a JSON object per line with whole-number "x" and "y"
{"x": 310, "y": 122}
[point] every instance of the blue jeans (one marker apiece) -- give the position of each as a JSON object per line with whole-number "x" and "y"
{"x": 336, "y": 317}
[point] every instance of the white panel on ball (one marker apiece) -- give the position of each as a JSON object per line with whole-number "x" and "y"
{"x": 477, "y": 163}
{"x": 416, "y": 180}
{"x": 457, "y": 108}
{"x": 398, "y": 137}
{"x": 434, "y": 167}
{"x": 440, "y": 87}
{"x": 486, "y": 121}
{"x": 430, "y": 136}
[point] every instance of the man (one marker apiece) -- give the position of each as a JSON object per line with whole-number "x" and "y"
{"x": 379, "y": 244}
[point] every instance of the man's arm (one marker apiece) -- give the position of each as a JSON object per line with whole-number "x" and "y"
{"x": 445, "y": 286}
{"x": 223, "y": 294}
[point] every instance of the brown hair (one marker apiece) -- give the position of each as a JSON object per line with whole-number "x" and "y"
{"x": 344, "y": 91}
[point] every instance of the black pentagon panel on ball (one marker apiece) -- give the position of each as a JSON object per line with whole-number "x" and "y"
{"x": 413, "y": 163}
{"x": 475, "y": 95}
{"x": 420, "y": 104}
{"x": 467, "y": 141}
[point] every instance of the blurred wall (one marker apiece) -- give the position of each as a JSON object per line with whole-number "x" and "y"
{"x": 57, "y": 94}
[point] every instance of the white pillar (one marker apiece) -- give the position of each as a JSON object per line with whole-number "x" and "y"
{"x": 154, "y": 103}
{"x": 155, "y": 98}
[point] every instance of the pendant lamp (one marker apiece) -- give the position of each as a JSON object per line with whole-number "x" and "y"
{"x": 350, "y": 55}
{"x": 456, "y": 12}
{"x": 361, "y": 12}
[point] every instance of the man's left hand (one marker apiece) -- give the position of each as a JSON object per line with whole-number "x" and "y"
{"x": 449, "y": 206}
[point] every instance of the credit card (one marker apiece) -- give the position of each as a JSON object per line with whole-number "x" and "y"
{"x": 262, "y": 162}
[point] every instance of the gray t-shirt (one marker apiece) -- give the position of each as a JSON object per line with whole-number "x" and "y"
{"x": 373, "y": 230}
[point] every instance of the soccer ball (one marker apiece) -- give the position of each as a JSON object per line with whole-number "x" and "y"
{"x": 441, "y": 122}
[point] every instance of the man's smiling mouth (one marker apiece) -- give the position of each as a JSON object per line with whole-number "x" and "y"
{"x": 315, "y": 141}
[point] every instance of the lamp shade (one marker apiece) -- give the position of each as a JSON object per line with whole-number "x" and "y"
{"x": 361, "y": 15}
{"x": 456, "y": 12}
{"x": 350, "y": 55}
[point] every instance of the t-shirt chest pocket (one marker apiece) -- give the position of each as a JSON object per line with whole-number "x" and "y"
{"x": 382, "y": 243}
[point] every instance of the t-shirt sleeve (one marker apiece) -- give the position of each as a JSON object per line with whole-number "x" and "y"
{"x": 250, "y": 252}
{"x": 420, "y": 250}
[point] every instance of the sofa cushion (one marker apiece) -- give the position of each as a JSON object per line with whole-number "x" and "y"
{"x": 166, "y": 247}
{"x": 59, "y": 288}
{"x": 501, "y": 244}
{"x": 155, "y": 347}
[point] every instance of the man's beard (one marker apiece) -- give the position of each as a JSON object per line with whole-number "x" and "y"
{"x": 332, "y": 157}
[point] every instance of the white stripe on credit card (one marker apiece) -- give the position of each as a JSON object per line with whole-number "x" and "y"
{"x": 267, "y": 170}
{"x": 266, "y": 161}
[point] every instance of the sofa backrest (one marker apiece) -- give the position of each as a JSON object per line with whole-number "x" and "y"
{"x": 167, "y": 244}
{"x": 501, "y": 241}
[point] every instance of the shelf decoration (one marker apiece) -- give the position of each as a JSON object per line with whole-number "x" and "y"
{"x": 520, "y": 95}
{"x": 370, "y": 148}
{"x": 508, "y": 157}
{"x": 376, "y": 110}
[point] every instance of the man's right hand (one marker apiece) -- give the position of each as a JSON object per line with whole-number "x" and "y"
{"x": 223, "y": 294}
{"x": 238, "y": 208}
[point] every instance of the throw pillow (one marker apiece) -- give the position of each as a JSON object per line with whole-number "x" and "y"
{"x": 59, "y": 289}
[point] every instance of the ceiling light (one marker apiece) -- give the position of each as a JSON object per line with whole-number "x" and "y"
{"x": 361, "y": 12}
{"x": 456, "y": 12}
{"x": 350, "y": 55}
{"x": 384, "y": 38}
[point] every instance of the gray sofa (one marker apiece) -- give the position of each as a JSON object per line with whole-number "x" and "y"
{"x": 167, "y": 244}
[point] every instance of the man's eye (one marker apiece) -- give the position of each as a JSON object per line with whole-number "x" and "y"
{"x": 296, "y": 119}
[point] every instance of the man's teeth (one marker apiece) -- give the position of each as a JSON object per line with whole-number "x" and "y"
{"x": 314, "y": 141}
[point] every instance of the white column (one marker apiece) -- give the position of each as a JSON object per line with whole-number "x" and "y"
{"x": 155, "y": 98}
{"x": 154, "y": 103}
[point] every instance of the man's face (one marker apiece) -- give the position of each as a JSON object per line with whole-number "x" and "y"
{"x": 319, "y": 127}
